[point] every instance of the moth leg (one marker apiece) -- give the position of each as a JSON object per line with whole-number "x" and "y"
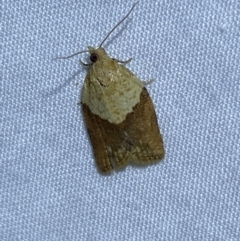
{"x": 122, "y": 61}
{"x": 84, "y": 64}
{"x": 147, "y": 82}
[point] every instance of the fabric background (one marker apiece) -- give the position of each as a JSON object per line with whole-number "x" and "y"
{"x": 50, "y": 188}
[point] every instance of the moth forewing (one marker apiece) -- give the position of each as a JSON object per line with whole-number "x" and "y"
{"x": 119, "y": 116}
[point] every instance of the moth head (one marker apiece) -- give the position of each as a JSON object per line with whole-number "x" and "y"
{"x": 97, "y": 54}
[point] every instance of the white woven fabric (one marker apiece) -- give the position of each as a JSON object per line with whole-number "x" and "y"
{"x": 49, "y": 185}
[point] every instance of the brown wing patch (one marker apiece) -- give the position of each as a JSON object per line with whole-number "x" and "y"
{"x": 137, "y": 139}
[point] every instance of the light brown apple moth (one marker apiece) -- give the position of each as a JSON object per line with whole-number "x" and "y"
{"x": 118, "y": 112}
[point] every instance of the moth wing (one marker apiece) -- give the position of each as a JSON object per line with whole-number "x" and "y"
{"x": 136, "y": 139}
{"x": 143, "y": 140}
{"x": 98, "y": 139}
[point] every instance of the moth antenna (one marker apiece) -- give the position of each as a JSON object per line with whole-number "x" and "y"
{"x": 118, "y": 24}
{"x": 72, "y": 55}
{"x": 84, "y": 51}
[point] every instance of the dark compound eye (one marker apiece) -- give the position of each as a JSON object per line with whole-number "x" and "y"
{"x": 93, "y": 57}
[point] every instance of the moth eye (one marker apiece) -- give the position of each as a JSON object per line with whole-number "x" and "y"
{"x": 93, "y": 57}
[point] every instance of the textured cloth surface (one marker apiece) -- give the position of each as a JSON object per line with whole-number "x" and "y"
{"x": 50, "y": 188}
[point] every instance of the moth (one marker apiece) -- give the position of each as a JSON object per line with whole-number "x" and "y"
{"x": 118, "y": 112}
